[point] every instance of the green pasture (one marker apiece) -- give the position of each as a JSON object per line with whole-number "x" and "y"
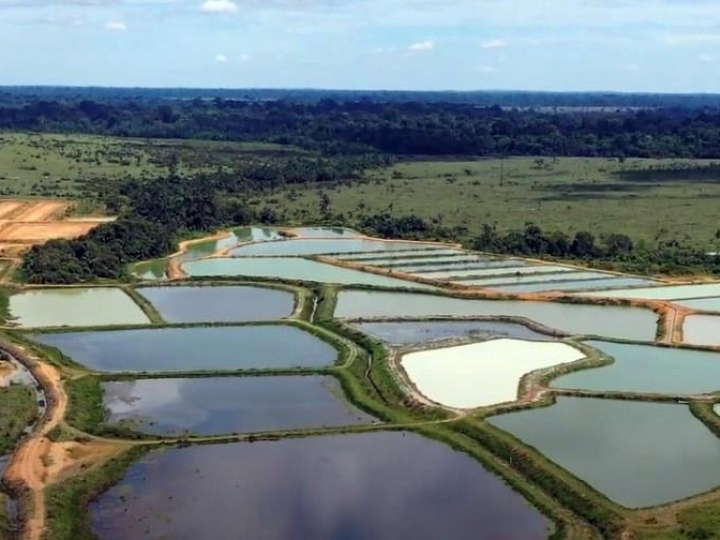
{"x": 568, "y": 194}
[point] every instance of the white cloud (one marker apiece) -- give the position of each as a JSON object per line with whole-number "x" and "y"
{"x": 221, "y": 59}
{"x": 116, "y": 26}
{"x": 219, "y": 6}
{"x": 487, "y": 69}
{"x": 706, "y": 57}
{"x": 422, "y": 46}
{"x": 493, "y": 44}
{"x": 246, "y": 58}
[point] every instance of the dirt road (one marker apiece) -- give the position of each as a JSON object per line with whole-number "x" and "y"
{"x": 29, "y": 462}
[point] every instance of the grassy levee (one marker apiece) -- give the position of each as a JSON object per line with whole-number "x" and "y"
{"x": 367, "y": 379}
{"x": 144, "y": 304}
{"x": 5, "y": 303}
{"x": 566, "y": 489}
{"x": 704, "y": 411}
{"x": 6, "y": 525}
{"x": 543, "y": 378}
{"x": 67, "y": 502}
{"x": 19, "y": 410}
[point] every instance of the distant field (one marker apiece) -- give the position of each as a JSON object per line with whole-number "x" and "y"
{"x": 569, "y": 194}
{"x": 45, "y": 165}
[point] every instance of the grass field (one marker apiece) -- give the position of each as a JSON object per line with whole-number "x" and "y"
{"x": 568, "y": 194}
{"x": 45, "y": 165}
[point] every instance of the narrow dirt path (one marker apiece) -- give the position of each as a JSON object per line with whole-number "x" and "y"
{"x": 29, "y": 464}
{"x": 671, "y": 319}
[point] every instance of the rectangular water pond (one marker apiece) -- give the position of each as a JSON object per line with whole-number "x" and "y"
{"x": 219, "y": 304}
{"x": 418, "y": 254}
{"x": 326, "y": 232}
{"x": 463, "y": 276}
{"x": 318, "y": 247}
{"x": 702, "y": 330}
{"x": 407, "y": 332}
{"x": 543, "y": 280}
{"x": 194, "y": 349}
{"x": 379, "y": 486}
{"x": 76, "y": 306}
{"x": 293, "y": 269}
{"x": 673, "y": 292}
{"x": 420, "y": 264}
{"x": 574, "y": 319}
{"x": 637, "y": 454}
{"x": 648, "y": 369}
{"x": 210, "y": 406}
{"x": 475, "y": 264}
{"x": 701, "y": 304}
{"x": 572, "y": 286}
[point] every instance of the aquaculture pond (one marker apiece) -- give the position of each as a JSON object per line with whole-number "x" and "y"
{"x": 219, "y": 304}
{"x": 194, "y": 349}
{"x": 414, "y": 253}
{"x": 77, "y": 306}
{"x": 326, "y": 232}
{"x": 636, "y": 453}
{"x": 317, "y": 247}
{"x": 151, "y": 270}
{"x": 464, "y": 275}
{"x": 382, "y": 486}
{"x": 571, "y": 286}
{"x": 649, "y": 369}
{"x": 198, "y": 250}
{"x": 407, "y": 332}
{"x": 542, "y": 280}
{"x": 218, "y": 405}
{"x": 673, "y": 292}
{"x": 702, "y": 330}
{"x": 292, "y": 269}
{"x": 420, "y": 264}
{"x": 701, "y": 304}
{"x": 576, "y": 319}
{"x": 476, "y": 264}
{"x": 482, "y": 374}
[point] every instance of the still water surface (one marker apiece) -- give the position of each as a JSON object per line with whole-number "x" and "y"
{"x": 379, "y": 486}
{"x": 194, "y": 349}
{"x": 218, "y": 405}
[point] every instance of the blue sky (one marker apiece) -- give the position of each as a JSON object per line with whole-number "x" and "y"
{"x": 622, "y": 45}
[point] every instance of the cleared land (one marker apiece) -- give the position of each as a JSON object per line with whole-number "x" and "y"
{"x": 568, "y": 194}
{"x": 27, "y": 222}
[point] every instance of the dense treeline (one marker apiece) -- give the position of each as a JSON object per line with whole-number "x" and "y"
{"x": 611, "y": 250}
{"x": 405, "y": 128}
{"x": 562, "y": 101}
{"x": 102, "y": 253}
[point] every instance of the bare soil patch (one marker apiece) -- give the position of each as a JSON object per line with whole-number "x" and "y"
{"x": 34, "y": 233}
{"x": 9, "y": 207}
{"x": 42, "y": 211}
{"x": 28, "y": 222}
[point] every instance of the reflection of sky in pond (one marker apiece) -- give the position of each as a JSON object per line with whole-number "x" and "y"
{"x": 354, "y": 487}
{"x": 407, "y": 332}
{"x": 230, "y": 404}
